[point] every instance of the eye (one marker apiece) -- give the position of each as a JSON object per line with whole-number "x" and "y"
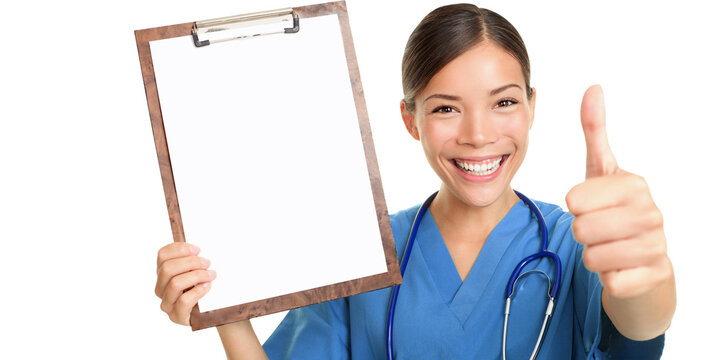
{"x": 443, "y": 109}
{"x": 506, "y": 103}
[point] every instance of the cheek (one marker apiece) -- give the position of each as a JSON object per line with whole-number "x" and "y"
{"x": 517, "y": 127}
{"x": 435, "y": 134}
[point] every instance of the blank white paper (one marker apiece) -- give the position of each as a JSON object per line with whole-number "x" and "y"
{"x": 268, "y": 161}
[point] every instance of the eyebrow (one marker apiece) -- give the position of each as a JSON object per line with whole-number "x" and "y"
{"x": 503, "y": 88}
{"x": 443, "y": 96}
{"x": 458, "y": 98}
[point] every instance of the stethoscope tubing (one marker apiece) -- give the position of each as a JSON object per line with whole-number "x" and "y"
{"x": 402, "y": 267}
{"x": 544, "y": 252}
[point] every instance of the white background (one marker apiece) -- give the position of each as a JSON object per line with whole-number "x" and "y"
{"x": 82, "y": 210}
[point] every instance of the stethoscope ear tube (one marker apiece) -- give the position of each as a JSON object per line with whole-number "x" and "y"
{"x": 521, "y": 265}
{"x": 517, "y": 273}
{"x": 511, "y": 282}
{"x": 542, "y": 225}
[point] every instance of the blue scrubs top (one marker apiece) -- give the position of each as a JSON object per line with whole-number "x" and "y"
{"x": 440, "y": 317}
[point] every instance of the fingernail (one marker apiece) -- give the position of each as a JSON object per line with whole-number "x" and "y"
{"x": 205, "y": 262}
{"x": 205, "y": 284}
{"x": 194, "y": 249}
{"x": 211, "y": 273}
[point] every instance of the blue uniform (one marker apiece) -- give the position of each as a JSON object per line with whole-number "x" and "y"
{"x": 440, "y": 317}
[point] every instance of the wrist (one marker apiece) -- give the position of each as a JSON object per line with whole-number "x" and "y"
{"x": 240, "y": 341}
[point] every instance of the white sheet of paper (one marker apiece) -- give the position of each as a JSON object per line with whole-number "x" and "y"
{"x": 268, "y": 161}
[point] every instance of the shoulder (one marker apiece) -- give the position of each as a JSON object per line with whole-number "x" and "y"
{"x": 403, "y": 219}
{"x": 559, "y": 226}
{"x": 401, "y": 223}
{"x": 554, "y": 215}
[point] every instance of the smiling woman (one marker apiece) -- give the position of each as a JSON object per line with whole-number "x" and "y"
{"x": 474, "y": 132}
{"x": 468, "y": 100}
{"x": 472, "y": 114}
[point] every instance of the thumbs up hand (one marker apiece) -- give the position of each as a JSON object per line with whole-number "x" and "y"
{"x": 619, "y": 224}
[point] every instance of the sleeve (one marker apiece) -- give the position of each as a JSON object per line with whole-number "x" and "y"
{"x": 599, "y": 338}
{"x": 319, "y": 331}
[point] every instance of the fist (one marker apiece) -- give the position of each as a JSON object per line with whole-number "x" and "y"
{"x": 616, "y": 219}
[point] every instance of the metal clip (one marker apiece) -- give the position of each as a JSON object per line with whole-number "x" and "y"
{"x": 244, "y": 26}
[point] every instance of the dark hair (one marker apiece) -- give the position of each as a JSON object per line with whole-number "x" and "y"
{"x": 448, "y": 32}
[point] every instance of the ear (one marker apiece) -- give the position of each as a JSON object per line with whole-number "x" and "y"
{"x": 409, "y": 120}
{"x": 532, "y": 106}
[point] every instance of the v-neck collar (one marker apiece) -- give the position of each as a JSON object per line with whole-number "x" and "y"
{"x": 462, "y": 296}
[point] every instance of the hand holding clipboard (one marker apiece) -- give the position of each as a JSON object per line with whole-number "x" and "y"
{"x": 271, "y": 156}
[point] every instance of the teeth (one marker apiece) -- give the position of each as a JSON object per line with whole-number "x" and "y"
{"x": 479, "y": 169}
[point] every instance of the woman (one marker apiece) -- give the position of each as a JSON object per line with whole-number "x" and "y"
{"x": 468, "y": 99}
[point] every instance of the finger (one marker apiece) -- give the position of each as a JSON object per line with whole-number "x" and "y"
{"x": 183, "y": 282}
{"x": 636, "y": 281}
{"x": 615, "y": 223}
{"x": 607, "y": 191}
{"x": 176, "y": 249}
{"x": 625, "y": 254}
{"x": 184, "y": 304}
{"x": 173, "y": 267}
{"x": 600, "y": 159}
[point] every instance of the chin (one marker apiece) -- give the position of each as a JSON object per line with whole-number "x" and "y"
{"x": 480, "y": 198}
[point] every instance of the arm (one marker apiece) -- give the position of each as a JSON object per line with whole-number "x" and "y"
{"x": 240, "y": 341}
{"x": 183, "y": 279}
{"x": 646, "y": 316}
{"x": 622, "y": 231}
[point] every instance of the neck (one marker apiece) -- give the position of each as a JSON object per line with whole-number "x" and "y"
{"x": 454, "y": 216}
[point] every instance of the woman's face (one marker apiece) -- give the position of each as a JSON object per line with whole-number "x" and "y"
{"x": 473, "y": 119}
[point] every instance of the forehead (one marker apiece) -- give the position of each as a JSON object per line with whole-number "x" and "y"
{"x": 478, "y": 70}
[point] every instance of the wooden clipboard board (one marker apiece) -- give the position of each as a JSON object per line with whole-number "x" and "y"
{"x": 390, "y": 277}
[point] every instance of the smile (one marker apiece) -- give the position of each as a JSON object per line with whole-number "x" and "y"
{"x": 479, "y": 168}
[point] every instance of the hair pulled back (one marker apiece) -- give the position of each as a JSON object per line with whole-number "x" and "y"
{"x": 448, "y": 32}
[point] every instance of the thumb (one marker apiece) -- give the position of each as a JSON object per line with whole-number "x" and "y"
{"x": 600, "y": 159}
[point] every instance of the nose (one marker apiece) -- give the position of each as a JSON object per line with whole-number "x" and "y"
{"x": 477, "y": 128}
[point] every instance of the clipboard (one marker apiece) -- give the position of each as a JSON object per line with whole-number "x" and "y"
{"x": 340, "y": 213}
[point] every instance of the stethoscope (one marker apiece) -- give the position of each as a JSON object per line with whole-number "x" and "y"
{"x": 552, "y": 293}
